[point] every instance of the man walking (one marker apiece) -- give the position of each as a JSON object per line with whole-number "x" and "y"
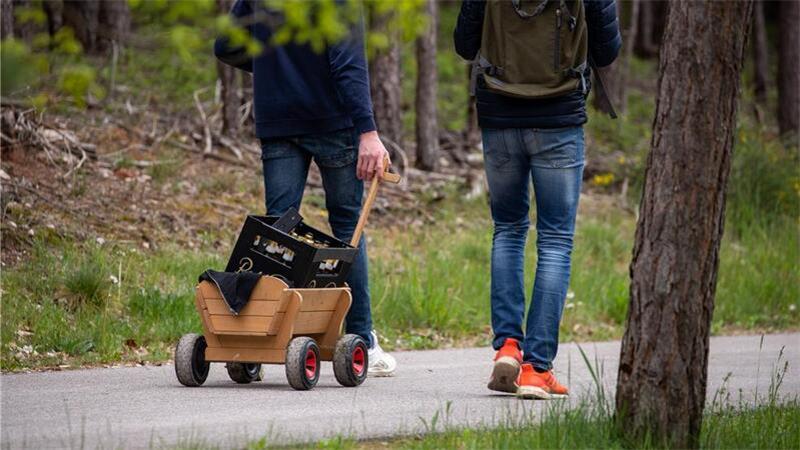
{"x": 316, "y": 105}
{"x": 531, "y": 93}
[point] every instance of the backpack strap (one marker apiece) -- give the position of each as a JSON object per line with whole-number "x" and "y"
{"x": 579, "y": 72}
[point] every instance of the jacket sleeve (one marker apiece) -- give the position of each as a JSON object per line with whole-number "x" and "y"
{"x": 348, "y": 65}
{"x": 469, "y": 27}
{"x": 603, "y": 26}
{"x": 235, "y": 56}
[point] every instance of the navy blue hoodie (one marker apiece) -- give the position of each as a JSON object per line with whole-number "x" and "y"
{"x": 298, "y": 91}
{"x": 500, "y": 111}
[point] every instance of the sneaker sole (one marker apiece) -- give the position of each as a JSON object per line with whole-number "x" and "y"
{"x": 504, "y": 375}
{"x": 381, "y": 374}
{"x": 533, "y": 392}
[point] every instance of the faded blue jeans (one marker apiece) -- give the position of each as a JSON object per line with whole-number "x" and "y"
{"x": 286, "y": 162}
{"x": 554, "y": 159}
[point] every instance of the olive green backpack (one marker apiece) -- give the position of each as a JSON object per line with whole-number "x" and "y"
{"x": 534, "y": 48}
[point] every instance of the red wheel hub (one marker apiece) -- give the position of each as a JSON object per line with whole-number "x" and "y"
{"x": 311, "y": 364}
{"x": 358, "y": 360}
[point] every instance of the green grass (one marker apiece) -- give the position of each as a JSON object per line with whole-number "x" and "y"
{"x": 430, "y": 286}
{"x": 76, "y": 304}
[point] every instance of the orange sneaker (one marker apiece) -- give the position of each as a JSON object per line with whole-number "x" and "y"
{"x": 506, "y": 367}
{"x": 541, "y": 385}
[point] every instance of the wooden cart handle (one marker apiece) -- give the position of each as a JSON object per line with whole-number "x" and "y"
{"x": 373, "y": 192}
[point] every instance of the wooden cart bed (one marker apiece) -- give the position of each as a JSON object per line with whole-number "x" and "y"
{"x": 274, "y": 315}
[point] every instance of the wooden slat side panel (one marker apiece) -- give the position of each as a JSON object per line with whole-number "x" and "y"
{"x": 328, "y": 341}
{"x": 269, "y": 356}
{"x": 208, "y": 330}
{"x": 268, "y": 288}
{"x": 247, "y": 324}
{"x": 260, "y": 342}
{"x": 319, "y": 300}
{"x": 253, "y": 307}
{"x": 312, "y": 322}
{"x": 209, "y": 290}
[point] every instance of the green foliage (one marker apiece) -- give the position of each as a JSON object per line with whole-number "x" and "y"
{"x": 78, "y": 80}
{"x": 17, "y": 65}
{"x": 317, "y": 23}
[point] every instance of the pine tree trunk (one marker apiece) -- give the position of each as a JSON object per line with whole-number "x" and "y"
{"x": 385, "y": 88}
{"x": 229, "y": 93}
{"x": 114, "y": 23}
{"x": 760, "y": 53}
{"x": 788, "y": 75}
{"x": 6, "y": 19}
{"x": 427, "y": 128}
{"x": 616, "y": 75}
{"x": 645, "y": 46}
{"x": 84, "y": 19}
{"x": 98, "y": 24}
{"x": 661, "y": 385}
{"x": 54, "y": 10}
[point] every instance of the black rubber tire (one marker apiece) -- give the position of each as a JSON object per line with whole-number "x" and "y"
{"x": 350, "y": 348}
{"x": 244, "y": 373}
{"x": 191, "y": 367}
{"x": 296, "y": 357}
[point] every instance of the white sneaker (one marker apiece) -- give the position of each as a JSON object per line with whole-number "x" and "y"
{"x": 381, "y": 364}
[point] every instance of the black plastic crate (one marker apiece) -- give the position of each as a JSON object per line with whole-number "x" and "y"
{"x": 290, "y": 255}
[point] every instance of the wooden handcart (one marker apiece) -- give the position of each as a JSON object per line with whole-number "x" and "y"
{"x": 299, "y": 328}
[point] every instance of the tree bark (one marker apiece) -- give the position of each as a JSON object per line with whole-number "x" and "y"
{"x": 54, "y": 10}
{"x": 427, "y": 128}
{"x": 661, "y": 384}
{"x": 6, "y": 19}
{"x": 84, "y": 19}
{"x": 385, "y": 88}
{"x": 760, "y": 53}
{"x": 114, "y": 23}
{"x": 98, "y": 24}
{"x": 616, "y": 75}
{"x": 645, "y": 46}
{"x": 788, "y": 75}
{"x": 229, "y": 92}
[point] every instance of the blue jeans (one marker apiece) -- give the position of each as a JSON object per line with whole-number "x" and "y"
{"x": 554, "y": 159}
{"x": 286, "y": 162}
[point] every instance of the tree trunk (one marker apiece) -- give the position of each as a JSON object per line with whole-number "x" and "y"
{"x": 54, "y": 11}
{"x": 229, "y": 93}
{"x": 661, "y": 385}
{"x": 760, "y": 53}
{"x": 645, "y": 46}
{"x": 98, "y": 24}
{"x": 6, "y": 19}
{"x": 427, "y": 128}
{"x": 616, "y": 75}
{"x": 788, "y": 75}
{"x": 84, "y": 19}
{"x": 114, "y": 23}
{"x": 385, "y": 88}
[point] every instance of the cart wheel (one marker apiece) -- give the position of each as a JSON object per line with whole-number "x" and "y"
{"x": 350, "y": 360}
{"x": 302, "y": 363}
{"x": 190, "y": 360}
{"x": 244, "y": 373}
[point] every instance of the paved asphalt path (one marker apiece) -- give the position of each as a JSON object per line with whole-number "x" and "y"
{"x": 143, "y": 407}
